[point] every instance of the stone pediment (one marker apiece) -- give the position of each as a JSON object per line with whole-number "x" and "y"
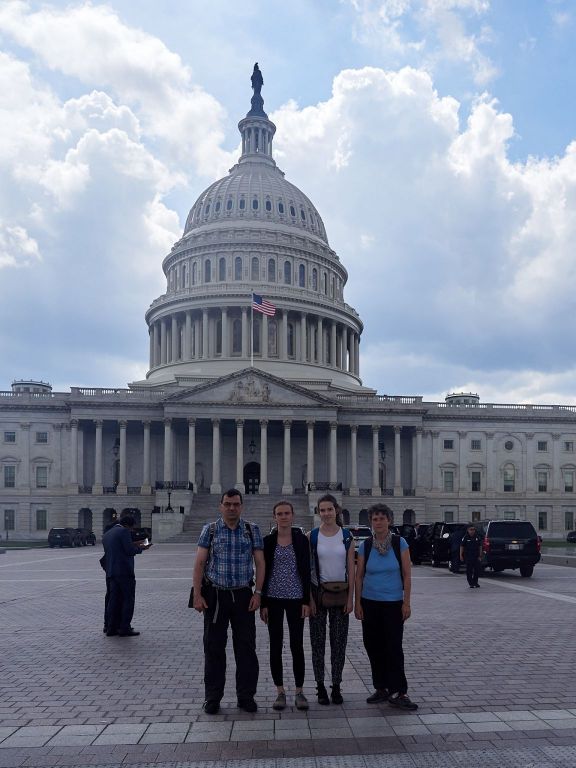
{"x": 250, "y": 387}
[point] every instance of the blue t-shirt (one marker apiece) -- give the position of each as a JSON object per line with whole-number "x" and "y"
{"x": 382, "y": 577}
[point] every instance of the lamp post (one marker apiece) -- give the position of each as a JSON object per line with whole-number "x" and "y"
{"x": 169, "y": 507}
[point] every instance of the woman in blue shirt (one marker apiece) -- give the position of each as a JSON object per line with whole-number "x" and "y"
{"x": 383, "y": 585}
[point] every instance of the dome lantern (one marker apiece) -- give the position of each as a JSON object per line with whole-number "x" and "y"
{"x": 256, "y": 129}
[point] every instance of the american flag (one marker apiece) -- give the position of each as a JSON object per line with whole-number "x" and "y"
{"x": 262, "y": 305}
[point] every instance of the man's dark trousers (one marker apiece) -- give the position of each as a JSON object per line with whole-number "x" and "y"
{"x": 472, "y": 571}
{"x": 230, "y": 608}
{"x": 120, "y": 609}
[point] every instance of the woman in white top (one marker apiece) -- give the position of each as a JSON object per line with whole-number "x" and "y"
{"x": 332, "y": 563}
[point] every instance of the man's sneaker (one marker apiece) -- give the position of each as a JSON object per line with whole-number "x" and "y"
{"x": 322, "y": 694}
{"x": 280, "y": 702}
{"x": 336, "y": 695}
{"x": 378, "y": 696}
{"x": 211, "y": 707}
{"x": 300, "y": 701}
{"x": 248, "y": 705}
{"x": 401, "y": 701}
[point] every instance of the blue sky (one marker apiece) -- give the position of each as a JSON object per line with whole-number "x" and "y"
{"x": 436, "y": 138}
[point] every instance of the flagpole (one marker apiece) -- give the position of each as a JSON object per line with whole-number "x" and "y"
{"x": 252, "y": 331}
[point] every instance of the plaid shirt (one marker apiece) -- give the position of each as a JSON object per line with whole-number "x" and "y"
{"x": 230, "y": 563}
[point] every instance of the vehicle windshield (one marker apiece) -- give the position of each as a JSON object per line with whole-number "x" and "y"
{"x": 513, "y": 530}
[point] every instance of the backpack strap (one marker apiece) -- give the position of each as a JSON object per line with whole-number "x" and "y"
{"x": 314, "y": 547}
{"x": 248, "y": 529}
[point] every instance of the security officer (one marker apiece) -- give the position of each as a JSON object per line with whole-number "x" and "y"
{"x": 471, "y": 554}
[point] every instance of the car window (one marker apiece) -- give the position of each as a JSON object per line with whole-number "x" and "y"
{"x": 513, "y": 530}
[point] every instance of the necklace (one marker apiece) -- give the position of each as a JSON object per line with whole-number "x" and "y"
{"x": 382, "y": 547}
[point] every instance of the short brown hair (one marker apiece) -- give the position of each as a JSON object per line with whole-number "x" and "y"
{"x": 381, "y": 509}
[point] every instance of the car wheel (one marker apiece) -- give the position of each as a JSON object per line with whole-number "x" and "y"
{"x": 526, "y": 571}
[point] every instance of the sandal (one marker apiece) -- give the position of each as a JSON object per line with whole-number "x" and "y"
{"x": 402, "y": 701}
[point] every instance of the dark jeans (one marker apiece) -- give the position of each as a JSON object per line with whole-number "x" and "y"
{"x": 293, "y": 610}
{"x": 120, "y": 608}
{"x": 472, "y": 571}
{"x": 229, "y": 607}
{"x": 382, "y": 632}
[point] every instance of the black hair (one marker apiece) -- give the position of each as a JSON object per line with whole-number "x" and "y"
{"x": 332, "y": 500}
{"x": 127, "y": 521}
{"x": 230, "y": 493}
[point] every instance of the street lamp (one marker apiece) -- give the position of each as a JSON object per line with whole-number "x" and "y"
{"x": 169, "y": 507}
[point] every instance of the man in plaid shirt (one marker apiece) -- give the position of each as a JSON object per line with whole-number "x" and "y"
{"x": 228, "y": 550}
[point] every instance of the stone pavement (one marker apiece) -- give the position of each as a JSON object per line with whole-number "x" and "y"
{"x": 492, "y": 670}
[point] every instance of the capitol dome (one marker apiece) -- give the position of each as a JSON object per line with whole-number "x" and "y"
{"x": 253, "y": 232}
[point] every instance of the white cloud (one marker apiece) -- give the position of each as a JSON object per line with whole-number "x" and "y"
{"x": 17, "y": 248}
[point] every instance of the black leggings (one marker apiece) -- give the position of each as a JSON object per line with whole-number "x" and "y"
{"x": 293, "y": 609}
{"x": 382, "y": 631}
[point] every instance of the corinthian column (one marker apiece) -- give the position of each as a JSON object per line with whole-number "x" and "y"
{"x": 215, "y": 485}
{"x": 263, "y": 488}
{"x": 287, "y": 487}
{"x": 97, "y": 489}
{"x": 240, "y": 455}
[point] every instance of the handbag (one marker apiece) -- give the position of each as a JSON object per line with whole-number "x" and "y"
{"x": 333, "y": 594}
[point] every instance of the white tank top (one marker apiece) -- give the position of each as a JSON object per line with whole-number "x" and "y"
{"x": 332, "y": 557}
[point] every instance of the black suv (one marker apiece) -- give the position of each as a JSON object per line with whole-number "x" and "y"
{"x": 63, "y": 537}
{"x": 439, "y": 543}
{"x": 86, "y": 537}
{"x": 510, "y": 544}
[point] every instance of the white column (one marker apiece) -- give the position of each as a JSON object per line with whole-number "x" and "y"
{"x": 263, "y": 488}
{"x": 240, "y": 455}
{"x": 287, "y": 484}
{"x": 357, "y": 353}
{"x": 163, "y": 351}
{"x": 225, "y": 341}
{"x": 98, "y": 458}
{"x": 24, "y": 474}
{"x": 215, "y": 485}
{"x": 151, "y": 342}
{"x": 375, "y": 462}
{"x": 74, "y": 453}
{"x": 333, "y": 452}
{"x": 303, "y": 337}
{"x": 354, "y": 491}
{"x": 418, "y": 472}
{"x": 146, "y": 483}
{"x": 245, "y": 351}
{"x": 320, "y": 341}
{"x": 167, "y": 450}
{"x": 205, "y": 352}
{"x": 528, "y": 469}
{"x": 187, "y": 352}
{"x": 192, "y": 453}
{"x": 397, "y": 462}
{"x": 490, "y": 485}
{"x": 462, "y": 470}
{"x": 174, "y": 339}
{"x": 333, "y": 345}
{"x": 197, "y": 337}
{"x": 555, "y": 479}
{"x": 122, "y": 455}
{"x": 310, "y": 453}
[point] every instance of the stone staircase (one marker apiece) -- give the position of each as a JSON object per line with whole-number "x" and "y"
{"x": 257, "y": 509}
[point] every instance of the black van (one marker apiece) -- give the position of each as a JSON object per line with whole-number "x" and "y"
{"x": 510, "y": 544}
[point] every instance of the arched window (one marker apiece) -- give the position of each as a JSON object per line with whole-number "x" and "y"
{"x": 236, "y": 337}
{"x": 287, "y": 273}
{"x": 332, "y": 288}
{"x": 194, "y": 273}
{"x": 207, "y": 208}
{"x": 242, "y": 204}
{"x": 217, "y": 206}
{"x": 509, "y": 478}
{"x": 184, "y": 276}
{"x": 222, "y": 269}
{"x": 207, "y": 271}
{"x": 255, "y": 204}
{"x": 272, "y": 338}
{"x": 255, "y": 269}
{"x": 280, "y": 207}
{"x": 238, "y": 268}
{"x": 290, "y": 340}
{"x": 229, "y": 204}
{"x": 302, "y": 276}
{"x": 271, "y": 270}
{"x": 302, "y": 214}
{"x": 292, "y": 211}
{"x": 218, "y": 337}
{"x": 268, "y": 206}
{"x": 315, "y": 279}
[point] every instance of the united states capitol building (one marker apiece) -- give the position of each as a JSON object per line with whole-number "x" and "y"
{"x": 269, "y": 402}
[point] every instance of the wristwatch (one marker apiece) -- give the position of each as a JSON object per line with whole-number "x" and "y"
{"x": 258, "y": 592}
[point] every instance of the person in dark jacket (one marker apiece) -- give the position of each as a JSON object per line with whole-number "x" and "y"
{"x": 286, "y": 590}
{"x": 119, "y": 553}
{"x": 471, "y": 554}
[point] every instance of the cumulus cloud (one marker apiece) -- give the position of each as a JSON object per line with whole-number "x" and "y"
{"x": 17, "y": 248}
{"x": 469, "y": 256}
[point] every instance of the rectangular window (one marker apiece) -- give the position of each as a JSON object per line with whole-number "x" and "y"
{"x": 9, "y": 476}
{"x": 568, "y": 519}
{"x": 41, "y": 477}
{"x": 509, "y": 514}
{"x": 542, "y": 520}
{"x": 9, "y": 519}
{"x": 448, "y": 516}
{"x": 476, "y": 516}
{"x": 41, "y": 520}
{"x": 448, "y": 481}
{"x": 542, "y": 445}
{"x": 448, "y": 445}
{"x": 509, "y": 480}
{"x": 569, "y": 446}
{"x": 9, "y": 437}
{"x": 476, "y": 445}
{"x": 42, "y": 437}
{"x": 542, "y": 482}
{"x": 476, "y": 480}
{"x": 568, "y": 481}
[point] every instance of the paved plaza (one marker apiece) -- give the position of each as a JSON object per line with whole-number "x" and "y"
{"x": 493, "y": 671}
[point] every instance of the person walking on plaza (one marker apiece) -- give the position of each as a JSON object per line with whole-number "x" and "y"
{"x": 286, "y": 590}
{"x": 471, "y": 554}
{"x": 332, "y": 595}
{"x": 383, "y": 586}
{"x": 119, "y": 553}
{"x": 228, "y": 552}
